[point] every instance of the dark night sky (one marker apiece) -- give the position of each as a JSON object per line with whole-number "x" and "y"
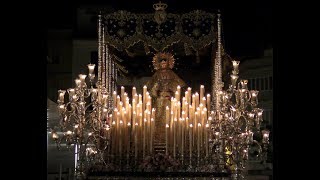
{"x": 247, "y": 25}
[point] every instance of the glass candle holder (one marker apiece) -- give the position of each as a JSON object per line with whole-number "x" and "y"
{"x": 82, "y": 77}
{"x": 265, "y": 136}
{"x": 91, "y": 68}
{"x": 254, "y": 97}
{"x": 235, "y": 65}
{"x": 61, "y": 96}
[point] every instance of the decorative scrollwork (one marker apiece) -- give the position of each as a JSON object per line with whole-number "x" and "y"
{"x": 194, "y": 29}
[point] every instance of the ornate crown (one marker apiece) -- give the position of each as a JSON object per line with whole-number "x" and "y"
{"x": 157, "y": 58}
{"x": 160, "y": 6}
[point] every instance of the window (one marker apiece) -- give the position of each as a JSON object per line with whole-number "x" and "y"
{"x": 253, "y": 84}
{"x": 249, "y": 84}
{"x": 258, "y": 84}
{"x": 262, "y": 83}
{"x": 270, "y": 82}
{"x": 266, "y": 83}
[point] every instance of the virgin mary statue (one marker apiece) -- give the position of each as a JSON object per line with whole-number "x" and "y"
{"x": 163, "y": 86}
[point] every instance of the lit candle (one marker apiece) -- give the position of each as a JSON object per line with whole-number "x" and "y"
{"x": 186, "y": 94}
{"x": 190, "y": 140}
{"x": 129, "y": 112}
{"x": 134, "y": 92}
{"x": 208, "y": 102}
{"x": 206, "y": 140}
{"x": 182, "y": 137}
{"x": 167, "y": 142}
{"x": 196, "y": 99}
{"x": 201, "y": 91}
{"x": 171, "y": 128}
{"x": 136, "y": 97}
{"x": 128, "y": 139}
{"x": 144, "y": 97}
{"x": 120, "y": 139}
{"x": 174, "y": 137}
{"x": 178, "y": 109}
{"x": 134, "y": 114}
{"x": 196, "y": 128}
{"x": 118, "y": 102}
{"x": 122, "y": 93}
{"x": 189, "y": 95}
{"x": 198, "y": 139}
{"x": 153, "y": 113}
{"x": 114, "y": 97}
{"x": 176, "y": 95}
{"x": 144, "y": 136}
{"x": 151, "y": 135}
{"x": 136, "y": 141}
{"x": 113, "y": 150}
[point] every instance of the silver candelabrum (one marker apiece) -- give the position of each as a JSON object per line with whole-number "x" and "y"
{"x": 235, "y": 120}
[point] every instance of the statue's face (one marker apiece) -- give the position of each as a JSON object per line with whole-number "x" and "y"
{"x": 164, "y": 64}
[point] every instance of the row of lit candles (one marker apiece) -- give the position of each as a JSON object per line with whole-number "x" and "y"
{"x": 132, "y": 127}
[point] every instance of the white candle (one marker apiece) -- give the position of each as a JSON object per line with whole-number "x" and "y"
{"x": 206, "y": 140}
{"x": 179, "y": 92}
{"x": 201, "y": 91}
{"x": 208, "y": 102}
{"x": 190, "y": 140}
{"x": 136, "y": 141}
{"x": 128, "y": 139}
{"x": 182, "y": 137}
{"x": 114, "y": 97}
{"x": 152, "y": 135}
{"x": 189, "y": 94}
{"x": 144, "y": 97}
{"x": 134, "y": 92}
{"x": 120, "y": 138}
{"x": 122, "y": 93}
{"x": 144, "y": 136}
{"x": 174, "y": 137}
{"x": 198, "y": 139}
{"x": 167, "y": 142}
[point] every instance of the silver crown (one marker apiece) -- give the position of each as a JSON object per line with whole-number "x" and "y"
{"x": 160, "y": 6}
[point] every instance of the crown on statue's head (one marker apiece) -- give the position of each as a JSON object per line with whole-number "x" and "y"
{"x": 160, "y": 6}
